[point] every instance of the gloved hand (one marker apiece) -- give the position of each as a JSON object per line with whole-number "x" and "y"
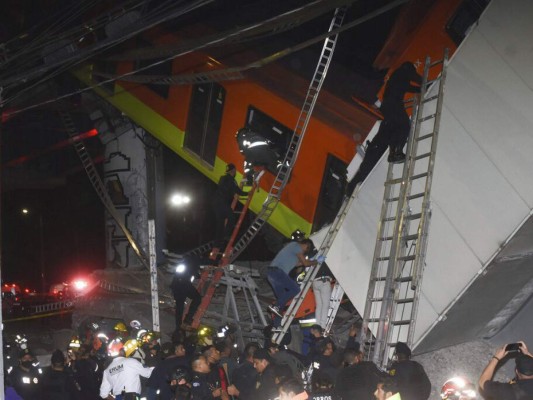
{"x": 321, "y": 259}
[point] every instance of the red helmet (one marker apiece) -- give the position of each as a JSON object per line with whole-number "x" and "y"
{"x": 458, "y": 388}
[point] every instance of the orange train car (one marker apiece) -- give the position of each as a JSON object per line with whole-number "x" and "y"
{"x": 199, "y": 121}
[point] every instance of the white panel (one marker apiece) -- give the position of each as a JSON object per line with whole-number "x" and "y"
{"x": 477, "y": 200}
{"x": 450, "y": 263}
{"x": 494, "y": 107}
{"x": 513, "y": 45}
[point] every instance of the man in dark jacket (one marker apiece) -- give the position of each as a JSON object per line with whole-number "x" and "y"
{"x": 160, "y": 380}
{"x": 224, "y": 215}
{"x": 394, "y": 129}
{"x": 57, "y": 383}
{"x": 182, "y": 288}
{"x": 413, "y": 382}
{"x": 265, "y": 387}
{"x": 358, "y": 379}
{"x": 26, "y": 377}
{"x": 245, "y": 376}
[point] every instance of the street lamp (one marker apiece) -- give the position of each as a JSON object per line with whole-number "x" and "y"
{"x": 180, "y": 200}
{"x": 26, "y": 211}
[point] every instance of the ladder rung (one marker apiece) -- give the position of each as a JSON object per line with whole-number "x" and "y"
{"x": 413, "y": 216}
{"x": 405, "y": 301}
{"x": 383, "y": 258}
{"x": 410, "y": 237}
{"x": 371, "y": 320}
{"x": 394, "y": 181}
{"x": 385, "y": 238}
{"x": 418, "y": 176}
{"x": 404, "y": 279}
{"x": 376, "y": 299}
{"x": 423, "y": 137}
{"x": 427, "y": 100}
{"x": 433, "y": 80}
{"x": 416, "y": 196}
{"x": 423, "y": 156}
{"x": 401, "y": 322}
{"x": 436, "y": 63}
{"x": 380, "y": 278}
{"x": 427, "y": 117}
{"x": 407, "y": 258}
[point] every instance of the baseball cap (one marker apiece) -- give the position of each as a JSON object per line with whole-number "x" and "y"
{"x": 402, "y": 348}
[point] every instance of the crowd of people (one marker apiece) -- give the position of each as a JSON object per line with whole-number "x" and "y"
{"x": 131, "y": 364}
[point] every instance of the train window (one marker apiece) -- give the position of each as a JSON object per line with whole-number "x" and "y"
{"x": 331, "y": 193}
{"x": 277, "y": 133}
{"x": 203, "y": 122}
{"x": 466, "y": 15}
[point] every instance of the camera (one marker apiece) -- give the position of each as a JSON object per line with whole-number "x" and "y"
{"x": 513, "y": 347}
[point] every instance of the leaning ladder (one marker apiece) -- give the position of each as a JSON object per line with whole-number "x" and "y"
{"x": 310, "y": 275}
{"x": 99, "y": 186}
{"x": 234, "y": 249}
{"x": 399, "y": 255}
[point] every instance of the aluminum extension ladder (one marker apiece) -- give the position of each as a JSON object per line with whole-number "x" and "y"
{"x": 99, "y": 186}
{"x": 399, "y": 255}
{"x": 310, "y": 275}
{"x": 284, "y": 172}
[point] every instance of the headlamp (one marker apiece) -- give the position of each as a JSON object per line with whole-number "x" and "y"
{"x": 180, "y": 268}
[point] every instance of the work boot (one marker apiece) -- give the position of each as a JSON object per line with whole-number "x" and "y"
{"x": 396, "y": 155}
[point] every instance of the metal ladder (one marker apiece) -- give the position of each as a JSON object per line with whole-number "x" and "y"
{"x": 211, "y": 276}
{"x": 399, "y": 255}
{"x": 98, "y": 185}
{"x": 274, "y": 196}
{"x": 282, "y": 177}
{"x": 310, "y": 275}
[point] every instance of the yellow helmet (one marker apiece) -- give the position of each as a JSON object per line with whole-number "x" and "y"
{"x": 130, "y": 346}
{"x": 120, "y": 327}
{"x": 75, "y": 343}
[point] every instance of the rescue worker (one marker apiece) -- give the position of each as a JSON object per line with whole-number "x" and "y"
{"x": 224, "y": 216}
{"x": 394, "y": 129}
{"x": 265, "y": 387}
{"x": 257, "y": 150}
{"x": 291, "y": 255}
{"x": 182, "y": 288}
{"x": 245, "y": 376}
{"x": 521, "y": 387}
{"x": 322, "y": 387}
{"x": 121, "y": 380}
{"x": 57, "y": 382}
{"x": 26, "y": 377}
{"x": 202, "y": 389}
{"x": 159, "y": 381}
{"x": 359, "y": 378}
{"x": 87, "y": 373}
{"x": 413, "y": 382}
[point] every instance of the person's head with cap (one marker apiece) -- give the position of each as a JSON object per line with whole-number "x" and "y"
{"x": 403, "y": 352}
{"x": 261, "y": 360}
{"x": 230, "y": 169}
{"x": 26, "y": 358}
{"x": 524, "y": 367}
{"x": 58, "y": 359}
